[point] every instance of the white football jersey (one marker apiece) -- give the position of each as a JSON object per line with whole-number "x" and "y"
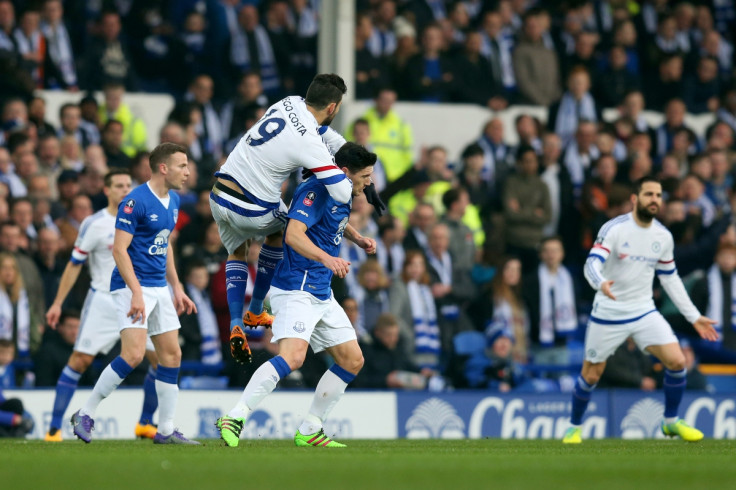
{"x": 631, "y": 255}
{"x": 286, "y": 138}
{"x": 95, "y": 241}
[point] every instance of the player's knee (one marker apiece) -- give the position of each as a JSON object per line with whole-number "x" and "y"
{"x": 676, "y": 364}
{"x": 295, "y": 362}
{"x": 80, "y": 362}
{"x": 355, "y": 365}
{"x": 133, "y": 357}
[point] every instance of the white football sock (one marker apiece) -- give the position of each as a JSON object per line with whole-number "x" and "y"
{"x": 106, "y": 384}
{"x": 329, "y": 391}
{"x": 261, "y": 384}
{"x": 168, "y": 394}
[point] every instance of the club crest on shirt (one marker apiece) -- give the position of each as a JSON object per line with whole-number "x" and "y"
{"x": 656, "y": 247}
{"x": 309, "y": 198}
{"x": 176, "y": 215}
{"x": 129, "y": 205}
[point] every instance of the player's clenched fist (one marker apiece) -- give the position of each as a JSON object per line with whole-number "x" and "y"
{"x": 337, "y": 265}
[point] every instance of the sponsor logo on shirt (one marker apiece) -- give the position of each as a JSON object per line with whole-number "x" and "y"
{"x": 126, "y": 221}
{"x": 299, "y": 211}
{"x": 160, "y": 243}
{"x": 309, "y": 198}
{"x": 129, "y": 205}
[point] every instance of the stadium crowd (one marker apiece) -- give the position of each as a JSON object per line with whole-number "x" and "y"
{"x": 478, "y": 280}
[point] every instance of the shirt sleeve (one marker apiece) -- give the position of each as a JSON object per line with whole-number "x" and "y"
{"x": 308, "y": 204}
{"x": 86, "y": 242}
{"x": 604, "y": 244}
{"x": 318, "y": 159}
{"x": 333, "y": 139}
{"x": 666, "y": 263}
{"x": 129, "y": 213}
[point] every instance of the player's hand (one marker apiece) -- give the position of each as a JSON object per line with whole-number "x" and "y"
{"x": 367, "y": 244}
{"x": 52, "y": 316}
{"x": 371, "y": 195}
{"x": 337, "y": 265}
{"x": 606, "y": 289}
{"x": 706, "y": 328}
{"x": 182, "y": 302}
{"x": 137, "y": 308}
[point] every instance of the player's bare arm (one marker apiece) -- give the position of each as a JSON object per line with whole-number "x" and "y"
{"x": 367, "y": 244}
{"x": 68, "y": 278}
{"x": 182, "y": 302}
{"x": 125, "y": 267}
{"x": 296, "y": 237}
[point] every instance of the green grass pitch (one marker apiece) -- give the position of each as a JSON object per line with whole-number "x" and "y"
{"x": 459, "y": 464}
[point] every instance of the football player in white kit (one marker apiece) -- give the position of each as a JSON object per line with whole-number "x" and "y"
{"x": 629, "y": 250}
{"x": 99, "y": 330}
{"x": 246, "y": 199}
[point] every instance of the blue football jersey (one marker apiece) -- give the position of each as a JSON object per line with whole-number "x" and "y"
{"x": 326, "y": 220}
{"x": 143, "y": 215}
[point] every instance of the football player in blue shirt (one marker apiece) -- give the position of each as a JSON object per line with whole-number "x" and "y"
{"x": 305, "y": 310}
{"x": 144, "y": 266}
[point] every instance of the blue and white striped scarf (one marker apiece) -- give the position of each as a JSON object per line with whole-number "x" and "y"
{"x": 426, "y": 330}
{"x": 240, "y": 56}
{"x": 716, "y": 299}
{"x": 210, "y": 347}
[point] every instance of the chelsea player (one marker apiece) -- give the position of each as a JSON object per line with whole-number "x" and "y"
{"x": 144, "y": 266}
{"x": 305, "y": 310}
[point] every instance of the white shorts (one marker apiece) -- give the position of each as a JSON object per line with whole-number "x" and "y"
{"x": 161, "y": 315}
{"x": 235, "y": 229}
{"x": 299, "y": 315}
{"x": 603, "y": 337}
{"x": 98, "y": 328}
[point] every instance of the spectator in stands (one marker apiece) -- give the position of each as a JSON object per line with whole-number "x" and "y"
{"x": 370, "y": 69}
{"x": 667, "y": 85}
{"x": 90, "y": 111}
{"x": 70, "y": 116}
{"x": 497, "y": 154}
{"x": 56, "y": 349}
{"x": 251, "y": 51}
{"x": 68, "y": 187}
{"x": 413, "y": 305}
{"x": 199, "y": 331}
{"x": 134, "y": 136}
{"x": 383, "y": 39}
{"x": 422, "y": 218}
{"x": 713, "y": 45}
{"x": 69, "y": 226}
{"x": 16, "y": 187}
{"x": 536, "y": 66}
{"x": 508, "y": 314}
{"x": 564, "y": 214}
{"x": 31, "y": 46}
{"x": 49, "y": 155}
{"x": 25, "y": 313}
{"x": 209, "y": 129}
{"x": 391, "y": 137}
{"x": 386, "y": 366}
{"x": 701, "y": 90}
{"x": 71, "y": 154}
{"x": 616, "y": 80}
{"x": 576, "y": 105}
{"x": 37, "y": 116}
{"x": 581, "y": 153}
{"x": 473, "y": 86}
{"x": 352, "y": 311}
{"x": 496, "y": 48}
{"x": 112, "y": 144}
{"x": 674, "y": 121}
{"x": 429, "y": 75}
{"x": 629, "y": 367}
{"x": 11, "y": 242}
{"x": 406, "y": 49}
{"x": 727, "y": 112}
{"x": 59, "y": 45}
{"x": 50, "y": 265}
{"x": 583, "y": 54}
{"x": 692, "y": 191}
{"x": 527, "y": 208}
{"x": 549, "y": 295}
{"x": 372, "y": 295}
{"x": 107, "y": 57}
{"x": 236, "y": 112}
{"x": 7, "y": 24}
{"x": 716, "y": 294}
{"x": 481, "y": 193}
{"x": 7, "y": 369}
{"x": 719, "y": 187}
{"x": 462, "y": 245}
{"x": 21, "y": 212}
{"x": 14, "y": 420}
{"x": 390, "y": 252}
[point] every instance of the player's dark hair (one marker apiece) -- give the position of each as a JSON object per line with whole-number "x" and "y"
{"x": 640, "y": 183}
{"x": 112, "y": 173}
{"x": 162, "y": 152}
{"x": 324, "y": 90}
{"x": 354, "y": 157}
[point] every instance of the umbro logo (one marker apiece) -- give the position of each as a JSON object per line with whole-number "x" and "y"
{"x": 154, "y": 217}
{"x": 334, "y": 209}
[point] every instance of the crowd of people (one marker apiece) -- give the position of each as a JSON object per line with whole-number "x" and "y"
{"x": 478, "y": 278}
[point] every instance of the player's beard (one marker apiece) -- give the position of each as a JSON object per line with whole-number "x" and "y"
{"x": 329, "y": 119}
{"x": 644, "y": 214}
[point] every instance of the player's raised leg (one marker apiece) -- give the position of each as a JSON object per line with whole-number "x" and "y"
{"x": 236, "y": 279}
{"x": 271, "y": 254}
{"x": 292, "y": 352}
{"x": 675, "y": 380}
{"x": 348, "y": 363}
{"x": 65, "y": 388}
{"x": 584, "y": 387}
{"x": 133, "y": 348}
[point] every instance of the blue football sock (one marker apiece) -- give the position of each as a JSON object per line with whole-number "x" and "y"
{"x": 65, "y": 388}
{"x": 268, "y": 259}
{"x": 580, "y": 399}
{"x": 236, "y": 278}
{"x": 150, "y": 399}
{"x": 674, "y": 388}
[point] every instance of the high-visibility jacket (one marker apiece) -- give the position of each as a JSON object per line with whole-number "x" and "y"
{"x": 134, "y": 129}
{"x": 392, "y": 140}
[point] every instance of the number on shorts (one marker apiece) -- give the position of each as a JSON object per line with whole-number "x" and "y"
{"x": 266, "y": 135}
